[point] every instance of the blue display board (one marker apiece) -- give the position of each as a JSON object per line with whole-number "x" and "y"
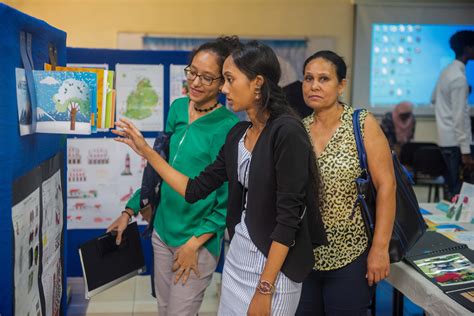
{"x": 113, "y": 57}
{"x": 21, "y": 154}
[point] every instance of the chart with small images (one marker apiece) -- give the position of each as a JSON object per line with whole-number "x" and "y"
{"x": 51, "y": 239}
{"x": 102, "y": 176}
{"x": 37, "y": 221}
{"x": 26, "y": 220}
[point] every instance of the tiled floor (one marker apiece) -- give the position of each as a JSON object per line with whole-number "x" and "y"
{"x": 130, "y": 298}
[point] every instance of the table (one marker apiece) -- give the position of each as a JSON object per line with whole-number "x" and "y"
{"x": 419, "y": 290}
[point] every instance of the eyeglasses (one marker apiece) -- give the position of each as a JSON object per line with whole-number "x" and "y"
{"x": 205, "y": 79}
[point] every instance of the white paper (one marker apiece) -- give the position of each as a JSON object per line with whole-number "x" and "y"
{"x": 466, "y": 196}
{"x": 178, "y": 83}
{"x": 52, "y": 285}
{"x": 52, "y": 217}
{"x": 23, "y": 103}
{"x": 102, "y": 176}
{"x": 26, "y": 220}
{"x": 140, "y": 95}
{"x": 52, "y": 228}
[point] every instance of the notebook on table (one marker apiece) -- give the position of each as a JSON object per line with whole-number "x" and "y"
{"x": 104, "y": 264}
{"x": 447, "y": 264}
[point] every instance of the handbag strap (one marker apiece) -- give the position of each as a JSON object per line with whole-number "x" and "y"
{"x": 359, "y": 141}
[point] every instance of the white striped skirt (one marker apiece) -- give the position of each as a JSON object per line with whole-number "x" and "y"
{"x": 243, "y": 266}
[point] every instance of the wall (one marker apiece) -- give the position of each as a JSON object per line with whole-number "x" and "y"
{"x": 95, "y": 23}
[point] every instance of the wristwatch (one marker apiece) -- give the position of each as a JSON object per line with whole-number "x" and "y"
{"x": 265, "y": 287}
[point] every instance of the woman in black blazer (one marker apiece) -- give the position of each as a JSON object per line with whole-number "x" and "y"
{"x": 272, "y": 215}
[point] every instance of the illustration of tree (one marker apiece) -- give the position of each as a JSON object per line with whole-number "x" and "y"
{"x": 141, "y": 101}
{"x": 72, "y": 99}
{"x": 73, "y": 108}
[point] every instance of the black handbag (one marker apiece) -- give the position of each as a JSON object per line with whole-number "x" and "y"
{"x": 409, "y": 225}
{"x": 151, "y": 183}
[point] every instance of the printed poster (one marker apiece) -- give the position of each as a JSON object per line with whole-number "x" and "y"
{"x": 102, "y": 176}
{"x": 66, "y": 101}
{"x": 37, "y": 221}
{"x": 26, "y": 221}
{"x": 105, "y": 67}
{"x": 178, "y": 83}
{"x": 96, "y": 119}
{"x": 52, "y": 237}
{"x": 140, "y": 95}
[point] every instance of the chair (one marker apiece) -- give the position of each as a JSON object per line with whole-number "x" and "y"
{"x": 429, "y": 168}
{"x": 407, "y": 152}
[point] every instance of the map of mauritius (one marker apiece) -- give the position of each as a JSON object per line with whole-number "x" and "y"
{"x": 141, "y": 101}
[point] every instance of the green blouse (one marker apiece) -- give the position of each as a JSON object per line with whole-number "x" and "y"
{"x": 192, "y": 148}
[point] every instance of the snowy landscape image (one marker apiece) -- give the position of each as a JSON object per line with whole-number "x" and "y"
{"x": 64, "y": 101}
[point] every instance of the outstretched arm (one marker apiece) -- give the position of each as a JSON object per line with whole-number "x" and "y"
{"x": 131, "y": 136}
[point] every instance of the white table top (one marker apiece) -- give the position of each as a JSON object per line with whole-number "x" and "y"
{"x": 419, "y": 289}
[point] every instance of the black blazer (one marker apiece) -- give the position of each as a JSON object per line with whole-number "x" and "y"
{"x": 282, "y": 202}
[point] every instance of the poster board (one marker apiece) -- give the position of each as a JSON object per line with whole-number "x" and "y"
{"x": 78, "y": 234}
{"x": 21, "y": 154}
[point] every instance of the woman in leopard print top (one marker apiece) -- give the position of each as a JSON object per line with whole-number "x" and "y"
{"x": 348, "y": 267}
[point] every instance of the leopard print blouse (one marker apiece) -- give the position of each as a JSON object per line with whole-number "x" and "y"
{"x": 338, "y": 166}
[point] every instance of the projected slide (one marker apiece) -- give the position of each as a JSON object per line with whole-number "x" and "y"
{"x": 406, "y": 60}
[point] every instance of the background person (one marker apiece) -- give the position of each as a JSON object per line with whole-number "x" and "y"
{"x": 399, "y": 125}
{"x": 452, "y": 111}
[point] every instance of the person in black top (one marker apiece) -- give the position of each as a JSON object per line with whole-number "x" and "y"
{"x": 273, "y": 200}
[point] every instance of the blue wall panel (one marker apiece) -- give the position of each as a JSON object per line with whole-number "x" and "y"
{"x": 19, "y": 154}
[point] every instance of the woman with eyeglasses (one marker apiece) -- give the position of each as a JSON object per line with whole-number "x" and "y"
{"x": 272, "y": 213}
{"x": 187, "y": 237}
